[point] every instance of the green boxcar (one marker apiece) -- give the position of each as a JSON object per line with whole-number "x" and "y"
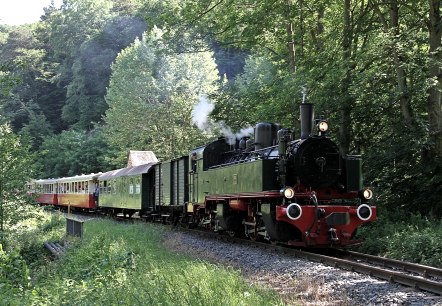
{"x": 128, "y": 188}
{"x": 171, "y": 182}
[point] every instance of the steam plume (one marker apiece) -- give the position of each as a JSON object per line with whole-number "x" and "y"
{"x": 201, "y": 112}
{"x": 200, "y": 116}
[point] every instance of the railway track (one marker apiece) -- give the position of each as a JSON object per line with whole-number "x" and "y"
{"x": 417, "y": 276}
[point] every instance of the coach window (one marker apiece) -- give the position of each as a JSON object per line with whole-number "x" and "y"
{"x": 138, "y": 185}
{"x": 114, "y": 187}
{"x": 130, "y": 180}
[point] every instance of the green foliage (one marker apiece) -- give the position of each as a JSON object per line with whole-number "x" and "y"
{"x": 15, "y": 170}
{"x": 14, "y": 278}
{"x": 404, "y": 236}
{"x": 26, "y": 254}
{"x": 73, "y": 152}
{"x": 91, "y": 70}
{"x": 127, "y": 264}
{"x": 264, "y": 89}
{"x": 77, "y": 21}
{"x": 151, "y": 95}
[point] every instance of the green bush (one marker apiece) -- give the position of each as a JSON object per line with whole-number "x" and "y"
{"x": 406, "y": 237}
{"x": 28, "y": 236}
{"x": 128, "y": 265}
{"x": 14, "y": 278}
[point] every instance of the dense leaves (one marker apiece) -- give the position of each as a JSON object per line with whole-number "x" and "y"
{"x": 74, "y": 152}
{"x": 16, "y": 169}
{"x": 151, "y": 95}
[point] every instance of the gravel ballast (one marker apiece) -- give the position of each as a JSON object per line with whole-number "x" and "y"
{"x": 297, "y": 280}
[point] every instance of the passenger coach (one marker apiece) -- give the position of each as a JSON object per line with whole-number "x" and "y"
{"x": 78, "y": 191}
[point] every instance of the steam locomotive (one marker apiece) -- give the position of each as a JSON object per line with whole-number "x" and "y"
{"x": 300, "y": 192}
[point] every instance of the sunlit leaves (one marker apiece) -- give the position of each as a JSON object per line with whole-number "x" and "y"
{"x": 16, "y": 165}
{"x": 151, "y": 95}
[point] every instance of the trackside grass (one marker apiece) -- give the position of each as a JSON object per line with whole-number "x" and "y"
{"x": 126, "y": 264}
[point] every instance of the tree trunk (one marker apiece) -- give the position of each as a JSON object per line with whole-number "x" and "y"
{"x": 290, "y": 42}
{"x": 345, "y": 109}
{"x": 434, "y": 73}
{"x": 302, "y": 27}
{"x": 319, "y": 28}
{"x": 404, "y": 95}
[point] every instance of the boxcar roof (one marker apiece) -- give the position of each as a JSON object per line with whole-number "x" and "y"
{"x": 129, "y": 171}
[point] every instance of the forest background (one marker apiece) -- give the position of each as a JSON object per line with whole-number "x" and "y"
{"x": 96, "y": 78}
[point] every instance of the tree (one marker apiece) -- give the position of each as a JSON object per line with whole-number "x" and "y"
{"x": 74, "y": 152}
{"x": 92, "y": 68}
{"x": 15, "y": 171}
{"x": 151, "y": 95}
{"x": 264, "y": 92}
{"x": 434, "y": 104}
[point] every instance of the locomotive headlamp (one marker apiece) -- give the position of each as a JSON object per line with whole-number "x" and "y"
{"x": 288, "y": 192}
{"x": 323, "y": 126}
{"x": 366, "y": 194}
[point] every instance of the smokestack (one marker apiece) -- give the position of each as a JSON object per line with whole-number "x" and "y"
{"x": 307, "y": 115}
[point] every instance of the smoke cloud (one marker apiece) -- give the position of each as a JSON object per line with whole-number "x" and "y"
{"x": 230, "y": 136}
{"x": 201, "y": 112}
{"x": 200, "y": 116}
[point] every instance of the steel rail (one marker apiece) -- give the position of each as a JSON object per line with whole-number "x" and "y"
{"x": 425, "y": 271}
{"x": 388, "y": 275}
